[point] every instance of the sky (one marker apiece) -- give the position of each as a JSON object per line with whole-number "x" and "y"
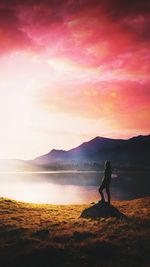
{"x": 72, "y": 70}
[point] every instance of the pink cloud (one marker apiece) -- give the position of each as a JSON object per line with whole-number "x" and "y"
{"x": 123, "y": 104}
{"x": 106, "y": 44}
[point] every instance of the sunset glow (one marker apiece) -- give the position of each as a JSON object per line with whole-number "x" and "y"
{"x": 70, "y": 71}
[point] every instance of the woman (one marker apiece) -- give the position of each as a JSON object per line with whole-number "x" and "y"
{"x": 106, "y": 182}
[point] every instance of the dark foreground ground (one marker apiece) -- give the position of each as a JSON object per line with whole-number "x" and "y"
{"x": 52, "y": 235}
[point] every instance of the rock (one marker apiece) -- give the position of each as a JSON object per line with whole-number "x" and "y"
{"x": 102, "y": 209}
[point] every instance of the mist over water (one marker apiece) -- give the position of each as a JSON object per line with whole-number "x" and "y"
{"x": 70, "y": 187}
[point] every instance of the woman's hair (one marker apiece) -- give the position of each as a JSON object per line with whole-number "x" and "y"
{"x": 107, "y": 164}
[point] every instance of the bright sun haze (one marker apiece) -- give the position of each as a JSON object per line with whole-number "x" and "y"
{"x": 71, "y": 71}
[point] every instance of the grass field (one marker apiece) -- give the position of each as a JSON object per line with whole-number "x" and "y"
{"x": 54, "y": 235}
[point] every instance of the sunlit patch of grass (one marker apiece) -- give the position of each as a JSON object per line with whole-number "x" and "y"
{"x": 30, "y": 234}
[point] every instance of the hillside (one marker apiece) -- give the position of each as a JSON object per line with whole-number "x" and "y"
{"x": 134, "y": 151}
{"x": 52, "y": 235}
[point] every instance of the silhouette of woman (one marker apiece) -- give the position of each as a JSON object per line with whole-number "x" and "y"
{"x": 106, "y": 182}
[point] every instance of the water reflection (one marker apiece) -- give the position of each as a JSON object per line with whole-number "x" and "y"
{"x": 70, "y": 187}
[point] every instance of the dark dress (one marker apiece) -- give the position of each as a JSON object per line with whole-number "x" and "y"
{"x": 106, "y": 179}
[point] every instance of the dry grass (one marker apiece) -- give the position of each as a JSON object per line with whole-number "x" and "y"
{"x": 54, "y": 235}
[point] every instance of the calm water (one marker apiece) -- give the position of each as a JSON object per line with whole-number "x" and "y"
{"x": 70, "y": 187}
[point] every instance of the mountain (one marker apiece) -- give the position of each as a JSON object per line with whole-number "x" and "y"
{"x": 135, "y": 150}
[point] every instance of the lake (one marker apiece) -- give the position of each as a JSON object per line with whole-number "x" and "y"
{"x": 71, "y": 187}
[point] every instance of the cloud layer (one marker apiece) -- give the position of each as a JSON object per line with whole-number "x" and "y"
{"x": 86, "y": 58}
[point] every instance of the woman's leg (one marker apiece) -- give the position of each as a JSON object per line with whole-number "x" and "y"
{"x": 108, "y": 193}
{"x": 101, "y": 192}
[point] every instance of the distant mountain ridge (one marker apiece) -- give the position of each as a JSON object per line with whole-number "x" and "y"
{"x": 135, "y": 150}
